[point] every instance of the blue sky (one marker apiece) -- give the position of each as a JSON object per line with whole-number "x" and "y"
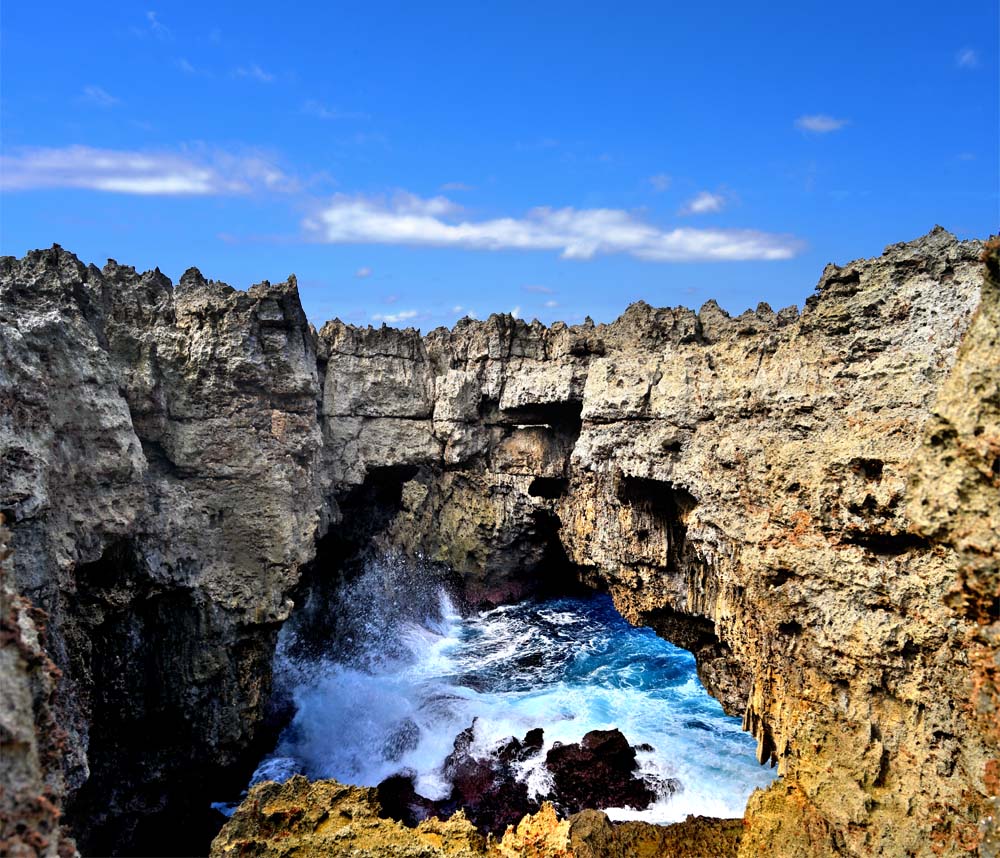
{"x": 414, "y": 162}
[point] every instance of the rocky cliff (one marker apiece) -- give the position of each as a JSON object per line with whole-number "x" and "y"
{"x": 178, "y": 462}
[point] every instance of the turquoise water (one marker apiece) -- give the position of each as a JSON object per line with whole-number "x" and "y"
{"x": 410, "y": 673}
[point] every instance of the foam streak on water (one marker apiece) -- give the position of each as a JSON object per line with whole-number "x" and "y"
{"x": 415, "y": 674}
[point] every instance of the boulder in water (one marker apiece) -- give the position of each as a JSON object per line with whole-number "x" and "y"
{"x": 597, "y": 772}
{"x": 404, "y": 737}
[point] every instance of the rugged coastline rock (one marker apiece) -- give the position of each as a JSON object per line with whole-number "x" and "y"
{"x": 178, "y": 461}
{"x": 301, "y": 817}
{"x": 598, "y": 772}
{"x": 953, "y": 502}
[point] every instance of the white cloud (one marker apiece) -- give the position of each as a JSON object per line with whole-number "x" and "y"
{"x": 156, "y": 28}
{"x": 704, "y": 203}
{"x": 541, "y": 290}
{"x": 189, "y": 68}
{"x": 574, "y": 233}
{"x": 395, "y": 318}
{"x": 516, "y": 312}
{"x": 551, "y": 304}
{"x": 660, "y": 182}
{"x": 254, "y": 72}
{"x": 143, "y": 173}
{"x": 363, "y": 272}
{"x": 98, "y": 96}
{"x": 820, "y": 123}
{"x": 967, "y": 58}
{"x": 312, "y": 107}
{"x": 540, "y": 143}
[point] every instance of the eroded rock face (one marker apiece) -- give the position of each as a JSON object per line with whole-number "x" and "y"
{"x": 326, "y": 818}
{"x": 953, "y": 503}
{"x": 160, "y": 450}
{"x": 742, "y": 485}
{"x": 31, "y": 740}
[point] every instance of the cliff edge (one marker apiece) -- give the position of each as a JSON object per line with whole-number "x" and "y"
{"x": 765, "y": 490}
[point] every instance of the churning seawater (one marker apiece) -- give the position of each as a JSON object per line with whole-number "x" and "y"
{"x": 407, "y": 673}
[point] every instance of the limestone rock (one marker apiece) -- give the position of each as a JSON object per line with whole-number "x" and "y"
{"x": 300, "y": 817}
{"x": 758, "y": 488}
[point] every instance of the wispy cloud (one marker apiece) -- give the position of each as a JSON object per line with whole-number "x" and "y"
{"x": 457, "y": 186}
{"x": 189, "y": 68}
{"x": 145, "y": 173}
{"x": 153, "y": 27}
{"x": 396, "y": 318}
{"x": 967, "y": 58}
{"x": 158, "y": 29}
{"x": 820, "y": 123}
{"x": 551, "y": 304}
{"x": 516, "y": 312}
{"x": 99, "y": 97}
{"x": 312, "y": 107}
{"x": 534, "y": 145}
{"x": 704, "y": 202}
{"x": 660, "y": 182}
{"x": 540, "y": 290}
{"x": 574, "y": 233}
{"x": 363, "y": 272}
{"x": 253, "y": 72}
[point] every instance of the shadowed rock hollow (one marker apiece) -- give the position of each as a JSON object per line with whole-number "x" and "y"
{"x": 178, "y": 462}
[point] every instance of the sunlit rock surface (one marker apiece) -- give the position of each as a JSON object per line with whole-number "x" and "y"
{"x": 743, "y": 485}
{"x": 301, "y": 817}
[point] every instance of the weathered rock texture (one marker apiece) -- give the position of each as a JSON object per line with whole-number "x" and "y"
{"x": 31, "y": 741}
{"x": 171, "y": 456}
{"x": 160, "y": 453}
{"x": 326, "y": 818}
{"x": 953, "y": 502}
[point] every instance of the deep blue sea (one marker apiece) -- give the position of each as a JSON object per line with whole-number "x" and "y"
{"x": 410, "y": 673}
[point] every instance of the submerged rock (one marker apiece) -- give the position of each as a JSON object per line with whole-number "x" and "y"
{"x": 598, "y": 772}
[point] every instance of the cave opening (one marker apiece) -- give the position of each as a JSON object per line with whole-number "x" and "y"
{"x": 155, "y": 753}
{"x": 386, "y": 677}
{"x": 451, "y": 691}
{"x": 430, "y": 705}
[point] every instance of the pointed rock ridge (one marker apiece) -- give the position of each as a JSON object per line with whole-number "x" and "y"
{"x": 170, "y": 443}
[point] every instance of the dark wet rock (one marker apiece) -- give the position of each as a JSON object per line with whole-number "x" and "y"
{"x": 400, "y": 801}
{"x": 598, "y": 772}
{"x": 486, "y": 788}
{"x": 405, "y": 737}
{"x": 519, "y": 751}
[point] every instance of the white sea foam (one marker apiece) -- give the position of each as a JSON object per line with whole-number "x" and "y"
{"x": 397, "y": 699}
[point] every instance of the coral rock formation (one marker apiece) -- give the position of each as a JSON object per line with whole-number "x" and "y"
{"x": 173, "y": 457}
{"x": 326, "y": 818}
